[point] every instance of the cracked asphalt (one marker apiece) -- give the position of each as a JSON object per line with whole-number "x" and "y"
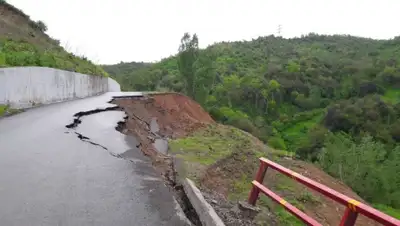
{"x": 49, "y": 176}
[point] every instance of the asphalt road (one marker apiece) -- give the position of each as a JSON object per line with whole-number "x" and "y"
{"x": 48, "y": 176}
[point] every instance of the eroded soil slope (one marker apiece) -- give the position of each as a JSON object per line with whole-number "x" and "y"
{"x": 155, "y": 118}
{"x": 222, "y": 160}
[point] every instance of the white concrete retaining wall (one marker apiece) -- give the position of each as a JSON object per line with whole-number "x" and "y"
{"x": 113, "y": 86}
{"x": 23, "y": 87}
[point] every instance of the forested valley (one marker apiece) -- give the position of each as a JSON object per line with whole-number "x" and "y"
{"x": 332, "y": 100}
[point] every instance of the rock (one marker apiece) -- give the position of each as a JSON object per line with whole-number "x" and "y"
{"x": 248, "y": 210}
{"x": 214, "y": 201}
{"x": 246, "y": 206}
{"x": 235, "y": 209}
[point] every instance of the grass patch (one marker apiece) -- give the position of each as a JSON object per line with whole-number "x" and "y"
{"x": 298, "y": 129}
{"x": 284, "y": 183}
{"x": 286, "y": 218}
{"x": 388, "y": 210}
{"x": 307, "y": 197}
{"x": 282, "y": 216}
{"x": 391, "y": 96}
{"x": 21, "y": 53}
{"x": 304, "y": 126}
{"x": 209, "y": 145}
{"x": 277, "y": 154}
{"x": 204, "y": 148}
{"x": 6, "y": 110}
{"x": 236, "y": 148}
{"x": 3, "y": 109}
{"x": 240, "y": 188}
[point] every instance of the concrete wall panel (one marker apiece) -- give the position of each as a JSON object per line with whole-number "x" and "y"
{"x": 23, "y": 87}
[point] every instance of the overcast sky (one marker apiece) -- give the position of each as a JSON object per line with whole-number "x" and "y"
{"x": 110, "y": 31}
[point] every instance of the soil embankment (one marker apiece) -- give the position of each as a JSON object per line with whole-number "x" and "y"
{"x": 222, "y": 160}
{"x": 161, "y": 116}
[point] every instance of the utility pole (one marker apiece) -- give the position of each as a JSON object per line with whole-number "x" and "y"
{"x": 279, "y": 30}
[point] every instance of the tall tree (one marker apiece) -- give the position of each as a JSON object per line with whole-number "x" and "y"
{"x": 196, "y": 68}
{"x": 188, "y": 54}
{"x": 205, "y": 76}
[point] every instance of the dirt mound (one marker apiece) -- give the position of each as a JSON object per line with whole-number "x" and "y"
{"x": 161, "y": 116}
{"x": 188, "y": 109}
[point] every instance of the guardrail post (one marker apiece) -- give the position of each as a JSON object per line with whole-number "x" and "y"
{"x": 255, "y": 191}
{"x": 261, "y": 172}
{"x": 349, "y": 218}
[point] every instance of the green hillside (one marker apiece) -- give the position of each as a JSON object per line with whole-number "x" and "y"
{"x": 311, "y": 95}
{"x": 24, "y": 42}
{"x": 124, "y": 71}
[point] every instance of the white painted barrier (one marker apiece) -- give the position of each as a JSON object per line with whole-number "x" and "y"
{"x": 24, "y": 87}
{"x": 113, "y": 86}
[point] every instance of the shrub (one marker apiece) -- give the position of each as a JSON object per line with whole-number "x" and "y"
{"x": 243, "y": 124}
{"x": 21, "y": 53}
{"x": 395, "y": 131}
{"x": 230, "y": 113}
{"x": 366, "y": 167}
{"x": 216, "y": 114}
{"x": 41, "y": 26}
{"x": 277, "y": 143}
{"x": 2, "y": 59}
{"x": 309, "y": 147}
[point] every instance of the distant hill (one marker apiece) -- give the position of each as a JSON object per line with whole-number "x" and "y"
{"x": 320, "y": 96}
{"x": 24, "y": 42}
{"x": 122, "y": 72}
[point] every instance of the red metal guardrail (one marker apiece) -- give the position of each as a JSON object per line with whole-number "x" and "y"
{"x": 350, "y": 215}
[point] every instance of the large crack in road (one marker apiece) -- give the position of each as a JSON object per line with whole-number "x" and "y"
{"x": 79, "y": 115}
{"x": 87, "y": 139}
{"x": 153, "y": 130}
{"x": 77, "y": 120}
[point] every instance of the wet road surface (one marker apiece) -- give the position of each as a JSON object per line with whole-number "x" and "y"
{"x": 48, "y": 176}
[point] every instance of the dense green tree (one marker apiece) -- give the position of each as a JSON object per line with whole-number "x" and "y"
{"x": 365, "y": 166}
{"x": 205, "y": 77}
{"x": 187, "y": 57}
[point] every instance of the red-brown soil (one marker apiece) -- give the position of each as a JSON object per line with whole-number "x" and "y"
{"x": 176, "y": 114}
